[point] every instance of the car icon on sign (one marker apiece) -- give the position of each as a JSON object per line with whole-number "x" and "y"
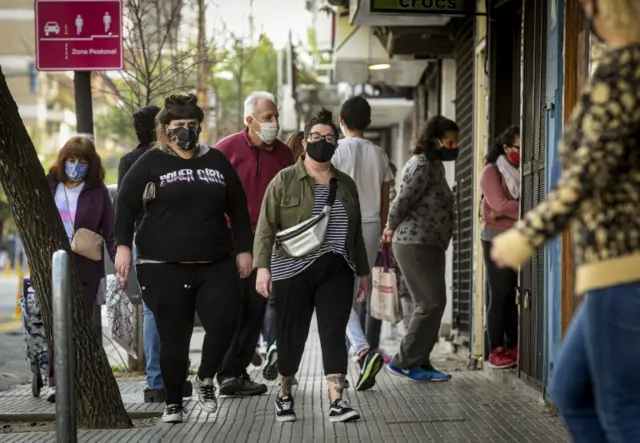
{"x": 51, "y": 28}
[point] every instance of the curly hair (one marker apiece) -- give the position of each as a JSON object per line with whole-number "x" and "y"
{"x": 80, "y": 148}
{"x": 322, "y": 117}
{"x": 431, "y": 131}
{"x": 176, "y": 107}
{"x": 508, "y": 138}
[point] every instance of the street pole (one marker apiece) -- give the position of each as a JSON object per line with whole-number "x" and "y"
{"x": 84, "y": 103}
{"x": 84, "y": 127}
{"x": 66, "y": 425}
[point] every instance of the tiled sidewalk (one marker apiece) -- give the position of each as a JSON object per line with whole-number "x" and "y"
{"x": 473, "y": 407}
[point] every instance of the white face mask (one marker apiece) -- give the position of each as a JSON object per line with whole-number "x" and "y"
{"x": 343, "y": 129}
{"x": 268, "y": 132}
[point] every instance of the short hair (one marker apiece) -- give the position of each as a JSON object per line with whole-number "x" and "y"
{"x": 356, "y": 113}
{"x": 83, "y": 149}
{"x": 252, "y": 99}
{"x": 176, "y": 107}
{"x": 322, "y": 117}
{"x": 431, "y": 131}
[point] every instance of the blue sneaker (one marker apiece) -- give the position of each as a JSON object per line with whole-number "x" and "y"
{"x": 419, "y": 374}
{"x": 435, "y": 375}
{"x": 415, "y": 373}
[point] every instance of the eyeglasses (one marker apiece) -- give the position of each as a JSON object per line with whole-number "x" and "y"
{"x": 316, "y": 137}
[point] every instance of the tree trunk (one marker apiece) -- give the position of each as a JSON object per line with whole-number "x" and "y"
{"x": 98, "y": 400}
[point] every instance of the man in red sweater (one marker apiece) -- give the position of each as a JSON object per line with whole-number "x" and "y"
{"x": 258, "y": 156}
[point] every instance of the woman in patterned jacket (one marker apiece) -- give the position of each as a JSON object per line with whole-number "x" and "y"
{"x": 420, "y": 224}
{"x": 595, "y": 382}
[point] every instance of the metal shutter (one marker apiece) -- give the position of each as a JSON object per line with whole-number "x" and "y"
{"x": 463, "y": 230}
{"x": 532, "y": 318}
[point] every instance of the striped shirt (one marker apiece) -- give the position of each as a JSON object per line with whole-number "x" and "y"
{"x": 335, "y": 240}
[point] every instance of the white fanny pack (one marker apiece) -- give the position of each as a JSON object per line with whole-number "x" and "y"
{"x": 304, "y": 238}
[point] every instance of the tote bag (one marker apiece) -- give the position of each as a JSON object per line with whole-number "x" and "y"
{"x": 385, "y": 302}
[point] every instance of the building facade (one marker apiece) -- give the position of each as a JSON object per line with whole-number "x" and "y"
{"x": 488, "y": 64}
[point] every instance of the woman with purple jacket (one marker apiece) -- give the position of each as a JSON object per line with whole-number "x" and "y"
{"x": 76, "y": 180}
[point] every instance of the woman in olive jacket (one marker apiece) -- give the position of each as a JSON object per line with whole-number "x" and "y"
{"x": 323, "y": 279}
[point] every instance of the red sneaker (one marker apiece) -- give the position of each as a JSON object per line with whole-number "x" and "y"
{"x": 500, "y": 359}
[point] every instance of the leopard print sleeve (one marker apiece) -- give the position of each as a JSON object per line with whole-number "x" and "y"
{"x": 595, "y": 145}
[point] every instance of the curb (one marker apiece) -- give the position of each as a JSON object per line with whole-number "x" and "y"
{"x": 51, "y": 416}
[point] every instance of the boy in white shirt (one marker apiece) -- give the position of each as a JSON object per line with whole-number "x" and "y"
{"x": 369, "y": 167}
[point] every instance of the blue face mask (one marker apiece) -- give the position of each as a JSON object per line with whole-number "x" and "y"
{"x": 76, "y": 171}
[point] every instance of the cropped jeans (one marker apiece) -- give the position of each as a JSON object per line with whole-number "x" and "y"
{"x": 595, "y": 386}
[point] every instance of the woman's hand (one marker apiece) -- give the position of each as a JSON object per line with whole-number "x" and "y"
{"x": 264, "y": 286}
{"x": 387, "y": 235}
{"x": 363, "y": 287}
{"x": 245, "y": 264}
{"x": 123, "y": 264}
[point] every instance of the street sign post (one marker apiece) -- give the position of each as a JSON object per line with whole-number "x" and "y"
{"x": 78, "y": 35}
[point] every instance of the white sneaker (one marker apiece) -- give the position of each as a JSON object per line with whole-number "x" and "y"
{"x": 173, "y": 414}
{"x": 206, "y": 394}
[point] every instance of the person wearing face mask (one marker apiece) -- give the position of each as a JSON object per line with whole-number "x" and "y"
{"x": 368, "y": 165}
{"x": 76, "y": 180}
{"x": 420, "y": 225}
{"x": 258, "y": 156}
{"x": 594, "y": 383}
{"x": 315, "y": 273}
{"x": 188, "y": 260}
{"x": 500, "y": 185}
{"x": 144, "y": 123}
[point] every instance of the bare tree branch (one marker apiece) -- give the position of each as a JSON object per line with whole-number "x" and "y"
{"x": 155, "y": 64}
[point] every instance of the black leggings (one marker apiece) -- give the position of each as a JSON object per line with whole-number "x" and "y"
{"x": 502, "y": 310}
{"x": 327, "y": 286}
{"x": 174, "y": 292}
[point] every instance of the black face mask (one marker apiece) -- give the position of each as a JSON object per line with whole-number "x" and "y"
{"x": 448, "y": 155}
{"x": 321, "y": 151}
{"x": 185, "y": 137}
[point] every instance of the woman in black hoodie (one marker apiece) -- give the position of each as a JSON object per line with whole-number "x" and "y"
{"x": 144, "y": 122}
{"x": 185, "y": 260}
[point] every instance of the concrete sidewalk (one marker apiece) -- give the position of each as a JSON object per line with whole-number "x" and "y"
{"x": 473, "y": 407}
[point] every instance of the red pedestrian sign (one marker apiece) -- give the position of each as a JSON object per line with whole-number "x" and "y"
{"x": 79, "y": 35}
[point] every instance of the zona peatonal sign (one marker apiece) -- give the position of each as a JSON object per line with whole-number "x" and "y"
{"x": 78, "y": 35}
{"x": 454, "y": 7}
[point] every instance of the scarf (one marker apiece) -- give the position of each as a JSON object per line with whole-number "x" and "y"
{"x": 511, "y": 176}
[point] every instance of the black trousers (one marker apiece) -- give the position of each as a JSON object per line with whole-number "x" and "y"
{"x": 270, "y": 322}
{"x": 247, "y": 332}
{"x": 327, "y": 287}
{"x": 502, "y": 310}
{"x": 174, "y": 292}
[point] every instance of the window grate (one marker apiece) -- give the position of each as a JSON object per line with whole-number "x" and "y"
{"x": 463, "y": 229}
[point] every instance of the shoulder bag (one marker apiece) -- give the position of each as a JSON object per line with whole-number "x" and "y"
{"x": 84, "y": 241}
{"x": 304, "y": 238}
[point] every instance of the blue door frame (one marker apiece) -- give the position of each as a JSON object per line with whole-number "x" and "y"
{"x": 553, "y": 249}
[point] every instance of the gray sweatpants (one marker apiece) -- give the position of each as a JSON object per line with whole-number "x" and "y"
{"x": 423, "y": 268}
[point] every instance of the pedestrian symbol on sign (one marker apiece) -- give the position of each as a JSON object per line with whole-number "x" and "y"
{"x": 107, "y": 22}
{"x": 79, "y": 23}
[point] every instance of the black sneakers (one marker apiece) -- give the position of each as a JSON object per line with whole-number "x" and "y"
{"x": 173, "y": 414}
{"x": 370, "y": 365}
{"x": 340, "y": 411}
{"x": 284, "y": 409}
